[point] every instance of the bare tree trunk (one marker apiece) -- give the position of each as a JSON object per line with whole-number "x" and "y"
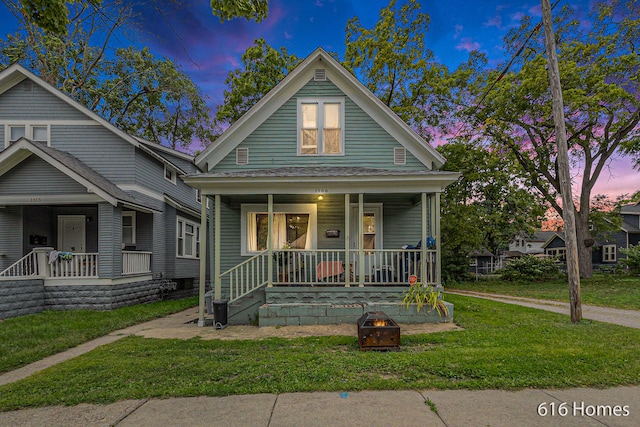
{"x": 585, "y": 245}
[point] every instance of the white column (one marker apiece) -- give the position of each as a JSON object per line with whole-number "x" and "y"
{"x": 436, "y": 236}
{"x": 217, "y": 249}
{"x": 203, "y": 260}
{"x": 360, "y": 240}
{"x": 270, "y": 244}
{"x": 347, "y": 240}
{"x": 423, "y": 256}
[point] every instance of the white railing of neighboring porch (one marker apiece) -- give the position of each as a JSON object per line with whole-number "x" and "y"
{"x": 136, "y": 262}
{"x": 77, "y": 265}
{"x": 25, "y": 266}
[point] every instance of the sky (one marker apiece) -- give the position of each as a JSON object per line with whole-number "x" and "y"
{"x": 208, "y": 49}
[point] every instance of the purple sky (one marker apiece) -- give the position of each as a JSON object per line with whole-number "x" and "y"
{"x": 208, "y": 49}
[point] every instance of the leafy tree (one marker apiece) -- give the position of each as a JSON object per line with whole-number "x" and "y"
{"x": 53, "y": 15}
{"x": 599, "y": 72}
{"x": 632, "y": 258}
{"x": 262, "y": 68}
{"x": 489, "y": 197}
{"x": 148, "y": 97}
{"x": 392, "y": 62}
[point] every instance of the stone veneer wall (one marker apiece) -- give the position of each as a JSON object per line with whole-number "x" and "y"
{"x": 327, "y": 306}
{"x": 21, "y": 297}
{"x": 101, "y": 297}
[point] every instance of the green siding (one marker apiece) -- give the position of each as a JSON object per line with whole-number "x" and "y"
{"x": 274, "y": 142}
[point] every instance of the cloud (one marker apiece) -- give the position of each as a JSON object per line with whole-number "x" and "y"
{"x": 468, "y": 44}
{"x": 496, "y": 21}
{"x": 458, "y": 29}
{"x": 288, "y": 36}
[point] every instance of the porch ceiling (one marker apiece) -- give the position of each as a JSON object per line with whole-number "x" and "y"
{"x": 320, "y": 180}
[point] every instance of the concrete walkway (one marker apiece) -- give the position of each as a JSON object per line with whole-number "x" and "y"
{"x": 618, "y": 406}
{"x": 629, "y": 318}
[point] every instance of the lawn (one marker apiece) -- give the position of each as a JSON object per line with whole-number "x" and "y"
{"x": 29, "y": 338}
{"x": 617, "y": 291}
{"x": 502, "y": 346}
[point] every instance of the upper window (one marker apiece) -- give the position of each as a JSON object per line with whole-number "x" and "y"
{"x": 294, "y": 227}
{"x": 37, "y": 133}
{"x": 129, "y": 228}
{"x": 169, "y": 174}
{"x": 609, "y": 253}
{"x": 321, "y": 126}
{"x": 188, "y": 239}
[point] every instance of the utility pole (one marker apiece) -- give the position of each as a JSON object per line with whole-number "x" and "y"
{"x": 568, "y": 214}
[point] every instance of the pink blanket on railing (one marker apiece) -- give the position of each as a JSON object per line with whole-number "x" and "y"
{"x": 329, "y": 269}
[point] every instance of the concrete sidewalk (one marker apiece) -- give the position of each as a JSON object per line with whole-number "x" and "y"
{"x": 575, "y": 407}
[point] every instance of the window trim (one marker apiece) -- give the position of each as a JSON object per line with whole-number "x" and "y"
{"x": 301, "y": 208}
{"x": 181, "y": 223}
{"x": 131, "y": 214}
{"x": 320, "y": 101}
{"x": 172, "y": 178}
{"x": 28, "y": 132}
{"x": 609, "y": 257}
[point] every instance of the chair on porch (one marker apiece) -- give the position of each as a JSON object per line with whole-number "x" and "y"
{"x": 329, "y": 271}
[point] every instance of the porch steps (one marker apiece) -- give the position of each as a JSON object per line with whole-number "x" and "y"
{"x": 245, "y": 310}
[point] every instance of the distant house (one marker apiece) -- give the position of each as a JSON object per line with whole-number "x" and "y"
{"x": 529, "y": 245}
{"x": 323, "y": 201}
{"x": 90, "y": 217}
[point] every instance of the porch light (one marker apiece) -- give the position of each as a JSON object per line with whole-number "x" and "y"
{"x": 320, "y": 197}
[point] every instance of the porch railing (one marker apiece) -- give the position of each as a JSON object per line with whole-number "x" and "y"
{"x": 246, "y": 277}
{"x": 136, "y": 262}
{"x": 74, "y": 265}
{"x": 25, "y": 266}
{"x": 327, "y": 267}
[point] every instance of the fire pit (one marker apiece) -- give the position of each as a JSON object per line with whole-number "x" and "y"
{"x": 377, "y": 331}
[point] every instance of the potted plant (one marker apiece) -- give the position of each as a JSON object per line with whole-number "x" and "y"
{"x": 425, "y": 296}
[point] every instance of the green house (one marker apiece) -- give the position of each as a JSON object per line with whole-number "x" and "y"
{"x": 320, "y": 199}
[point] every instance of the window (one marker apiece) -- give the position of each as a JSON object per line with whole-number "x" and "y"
{"x": 36, "y": 133}
{"x": 129, "y": 228}
{"x": 560, "y": 253}
{"x": 609, "y": 253}
{"x": 320, "y": 123}
{"x": 169, "y": 174}
{"x": 188, "y": 239}
{"x": 294, "y": 226}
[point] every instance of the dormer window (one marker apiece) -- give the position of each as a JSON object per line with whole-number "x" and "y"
{"x": 169, "y": 174}
{"x": 321, "y": 126}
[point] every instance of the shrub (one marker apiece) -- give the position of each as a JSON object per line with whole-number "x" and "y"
{"x": 531, "y": 268}
{"x": 632, "y": 260}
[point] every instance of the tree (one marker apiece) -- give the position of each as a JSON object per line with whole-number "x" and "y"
{"x": 392, "y": 62}
{"x": 145, "y": 96}
{"x": 53, "y": 15}
{"x": 262, "y": 68}
{"x": 602, "y": 108}
{"x": 487, "y": 207}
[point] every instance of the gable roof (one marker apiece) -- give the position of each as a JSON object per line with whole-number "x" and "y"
{"x": 70, "y": 166}
{"x": 16, "y": 73}
{"x": 293, "y": 82}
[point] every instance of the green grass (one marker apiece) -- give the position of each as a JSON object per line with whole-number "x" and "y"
{"x": 30, "y": 338}
{"x": 614, "y": 291}
{"x": 502, "y": 346}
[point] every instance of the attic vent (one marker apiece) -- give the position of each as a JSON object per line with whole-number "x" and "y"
{"x": 27, "y": 86}
{"x": 321, "y": 75}
{"x": 242, "y": 156}
{"x": 399, "y": 156}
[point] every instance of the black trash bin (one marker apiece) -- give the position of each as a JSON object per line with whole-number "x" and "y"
{"x": 220, "y": 313}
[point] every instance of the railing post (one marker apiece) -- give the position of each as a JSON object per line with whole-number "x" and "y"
{"x": 42, "y": 261}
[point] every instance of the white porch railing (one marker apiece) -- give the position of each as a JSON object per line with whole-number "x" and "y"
{"x": 136, "y": 262}
{"x": 246, "y": 277}
{"x": 327, "y": 267}
{"x": 25, "y": 266}
{"x": 77, "y": 265}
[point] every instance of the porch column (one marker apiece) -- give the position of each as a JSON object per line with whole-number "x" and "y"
{"x": 436, "y": 236}
{"x": 423, "y": 256}
{"x": 360, "y": 240}
{"x": 217, "y": 249}
{"x": 347, "y": 240}
{"x": 203, "y": 260}
{"x": 270, "y": 243}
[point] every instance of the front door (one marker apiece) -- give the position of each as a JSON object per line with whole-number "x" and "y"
{"x": 371, "y": 236}
{"x": 71, "y": 233}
